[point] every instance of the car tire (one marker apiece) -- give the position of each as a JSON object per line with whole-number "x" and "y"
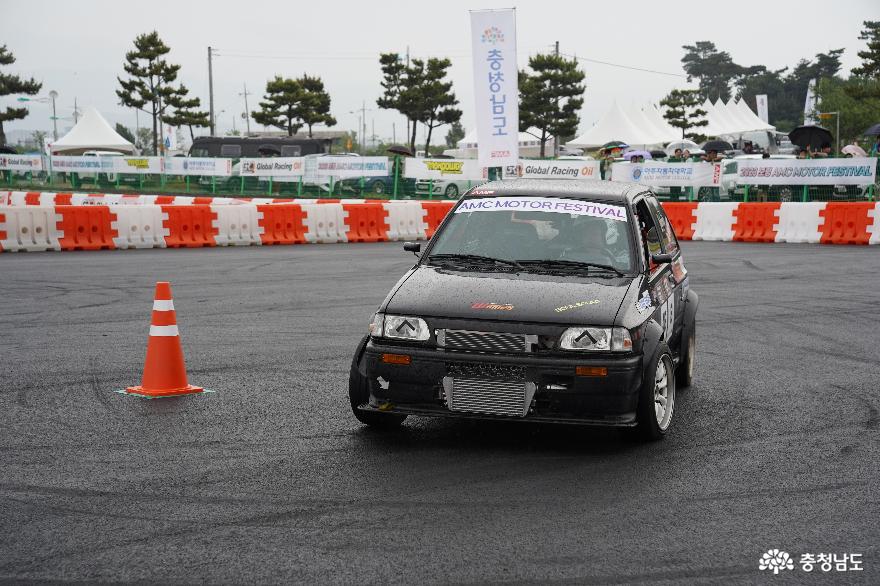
{"x": 684, "y": 373}
{"x": 652, "y": 425}
{"x": 377, "y": 187}
{"x": 359, "y": 393}
{"x": 451, "y": 191}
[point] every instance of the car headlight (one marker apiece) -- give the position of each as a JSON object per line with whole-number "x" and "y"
{"x": 590, "y": 339}
{"x": 399, "y": 327}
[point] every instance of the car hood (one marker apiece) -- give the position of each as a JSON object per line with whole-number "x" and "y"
{"x": 525, "y": 297}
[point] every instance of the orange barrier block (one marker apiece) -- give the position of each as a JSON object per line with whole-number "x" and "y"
{"x": 203, "y": 200}
{"x": 32, "y": 198}
{"x": 162, "y": 200}
{"x": 327, "y": 201}
{"x": 86, "y": 227}
{"x": 436, "y": 211}
{"x": 63, "y": 199}
{"x": 681, "y": 216}
{"x": 755, "y": 222}
{"x": 189, "y": 226}
{"x": 366, "y": 222}
{"x": 846, "y": 222}
{"x": 282, "y": 224}
{"x": 2, "y": 232}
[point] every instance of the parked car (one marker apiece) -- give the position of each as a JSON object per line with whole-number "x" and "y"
{"x": 450, "y": 188}
{"x": 536, "y": 300}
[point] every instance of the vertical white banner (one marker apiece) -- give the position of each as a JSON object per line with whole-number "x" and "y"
{"x": 810, "y": 104}
{"x": 763, "y": 110}
{"x": 496, "y": 91}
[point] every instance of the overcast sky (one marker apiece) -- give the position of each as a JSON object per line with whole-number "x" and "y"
{"x": 77, "y": 48}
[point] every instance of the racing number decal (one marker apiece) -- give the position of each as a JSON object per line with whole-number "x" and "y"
{"x": 667, "y": 316}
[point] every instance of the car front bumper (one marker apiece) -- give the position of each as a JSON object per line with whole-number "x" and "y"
{"x": 557, "y": 393}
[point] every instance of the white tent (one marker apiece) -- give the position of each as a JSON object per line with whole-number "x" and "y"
{"x": 753, "y": 118}
{"x": 654, "y": 113}
{"x": 616, "y": 125}
{"x": 92, "y": 132}
{"x": 648, "y": 118}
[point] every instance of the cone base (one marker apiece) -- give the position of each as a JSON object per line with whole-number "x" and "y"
{"x": 157, "y": 393}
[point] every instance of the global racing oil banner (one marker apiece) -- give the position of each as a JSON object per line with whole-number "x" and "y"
{"x": 22, "y": 163}
{"x": 559, "y": 169}
{"x": 493, "y": 42}
{"x": 575, "y": 207}
{"x": 343, "y": 167}
{"x": 668, "y": 174}
{"x": 206, "y": 166}
{"x": 272, "y": 167}
{"x": 854, "y": 171}
{"x": 461, "y": 169}
{"x": 108, "y": 164}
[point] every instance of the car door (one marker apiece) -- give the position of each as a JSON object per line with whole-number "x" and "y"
{"x": 677, "y": 275}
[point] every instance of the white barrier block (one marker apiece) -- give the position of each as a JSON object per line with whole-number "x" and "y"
{"x": 714, "y": 221}
{"x": 406, "y": 220}
{"x": 4, "y": 198}
{"x": 31, "y": 228}
{"x": 799, "y": 221}
{"x": 139, "y": 226}
{"x": 17, "y": 198}
{"x": 874, "y": 229}
{"x": 325, "y": 222}
{"x": 237, "y": 225}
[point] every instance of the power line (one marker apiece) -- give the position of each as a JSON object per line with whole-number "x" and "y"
{"x": 624, "y": 66}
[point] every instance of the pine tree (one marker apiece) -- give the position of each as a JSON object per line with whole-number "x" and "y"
{"x": 438, "y": 98}
{"x": 13, "y": 84}
{"x": 403, "y": 90}
{"x": 683, "y": 111}
{"x": 279, "y": 107}
{"x": 455, "y": 134}
{"x": 550, "y": 98}
{"x": 186, "y": 113}
{"x": 314, "y": 104}
{"x": 149, "y": 86}
{"x": 870, "y": 57}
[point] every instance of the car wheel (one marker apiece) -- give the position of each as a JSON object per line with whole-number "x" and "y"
{"x": 657, "y": 397}
{"x": 359, "y": 393}
{"x": 377, "y": 187}
{"x": 451, "y": 190}
{"x": 684, "y": 373}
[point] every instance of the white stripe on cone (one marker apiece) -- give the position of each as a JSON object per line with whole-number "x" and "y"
{"x": 163, "y": 305}
{"x": 164, "y": 331}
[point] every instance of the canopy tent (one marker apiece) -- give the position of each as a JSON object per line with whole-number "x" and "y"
{"x": 655, "y": 133}
{"x": 91, "y": 133}
{"x": 617, "y": 125}
{"x": 750, "y": 116}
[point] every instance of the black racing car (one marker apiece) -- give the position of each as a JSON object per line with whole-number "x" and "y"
{"x": 536, "y": 300}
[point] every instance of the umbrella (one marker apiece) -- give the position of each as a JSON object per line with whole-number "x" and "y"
{"x": 630, "y": 154}
{"x": 681, "y": 144}
{"x": 810, "y": 136}
{"x": 854, "y": 150}
{"x": 873, "y": 131}
{"x": 658, "y": 154}
{"x": 614, "y": 144}
{"x": 399, "y": 149}
{"x": 717, "y": 146}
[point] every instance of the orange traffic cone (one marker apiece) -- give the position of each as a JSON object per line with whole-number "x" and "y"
{"x": 164, "y": 370}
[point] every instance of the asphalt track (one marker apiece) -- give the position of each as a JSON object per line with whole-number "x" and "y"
{"x": 271, "y": 480}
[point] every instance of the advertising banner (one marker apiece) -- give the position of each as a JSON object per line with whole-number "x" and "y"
{"x": 559, "y": 169}
{"x": 668, "y": 174}
{"x": 461, "y": 169}
{"x": 272, "y": 167}
{"x": 23, "y": 163}
{"x": 493, "y": 41}
{"x": 574, "y": 207}
{"x": 854, "y": 171}
{"x": 342, "y": 167}
{"x": 761, "y": 103}
{"x": 103, "y": 164}
{"x": 198, "y": 166}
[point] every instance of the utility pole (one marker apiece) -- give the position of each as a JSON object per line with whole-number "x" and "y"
{"x": 373, "y": 133}
{"x": 556, "y": 138}
{"x": 75, "y": 113}
{"x": 247, "y": 113}
{"x": 211, "y": 89}
{"x": 53, "y": 94}
{"x": 393, "y": 133}
{"x": 407, "y": 120}
{"x": 364, "y": 120}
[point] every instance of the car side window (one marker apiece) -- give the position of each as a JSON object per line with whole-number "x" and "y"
{"x": 649, "y": 231}
{"x": 230, "y": 150}
{"x": 667, "y": 234}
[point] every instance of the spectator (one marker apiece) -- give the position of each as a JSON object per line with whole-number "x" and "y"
{"x": 676, "y": 157}
{"x": 711, "y": 157}
{"x": 686, "y": 155}
{"x": 824, "y": 152}
{"x": 803, "y": 154}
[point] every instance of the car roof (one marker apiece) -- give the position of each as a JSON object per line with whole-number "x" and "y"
{"x": 617, "y": 191}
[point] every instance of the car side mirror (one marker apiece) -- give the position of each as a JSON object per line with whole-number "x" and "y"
{"x": 662, "y": 259}
{"x": 413, "y": 247}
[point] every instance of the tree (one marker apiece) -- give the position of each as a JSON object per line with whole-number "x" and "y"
{"x": 438, "y": 98}
{"x": 454, "y": 134}
{"x": 186, "y": 113}
{"x": 857, "y": 110}
{"x": 683, "y": 111}
{"x": 550, "y": 99}
{"x": 870, "y": 57}
{"x": 314, "y": 104}
{"x": 39, "y": 139}
{"x": 714, "y": 69}
{"x": 402, "y": 85}
{"x": 279, "y": 107}
{"x": 149, "y": 87}
{"x": 13, "y": 84}
{"x": 144, "y": 143}
{"x": 125, "y": 133}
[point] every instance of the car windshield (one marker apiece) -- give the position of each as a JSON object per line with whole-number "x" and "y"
{"x": 536, "y": 233}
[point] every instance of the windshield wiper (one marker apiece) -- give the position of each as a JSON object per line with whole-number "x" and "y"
{"x": 476, "y": 259}
{"x": 570, "y": 264}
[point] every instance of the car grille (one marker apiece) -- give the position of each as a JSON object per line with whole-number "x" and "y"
{"x": 482, "y": 341}
{"x": 488, "y": 396}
